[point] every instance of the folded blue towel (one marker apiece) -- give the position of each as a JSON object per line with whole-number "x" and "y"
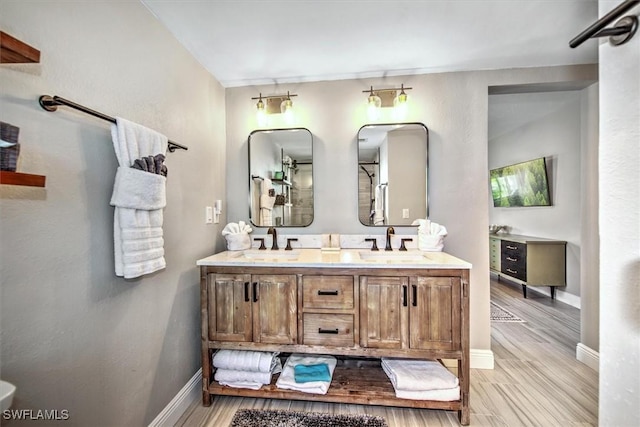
{"x": 308, "y": 373}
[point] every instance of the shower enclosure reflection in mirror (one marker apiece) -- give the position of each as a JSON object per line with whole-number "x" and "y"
{"x": 281, "y": 177}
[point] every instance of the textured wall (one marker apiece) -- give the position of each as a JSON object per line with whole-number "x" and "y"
{"x": 74, "y": 336}
{"x": 619, "y": 230}
{"x": 454, "y": 106}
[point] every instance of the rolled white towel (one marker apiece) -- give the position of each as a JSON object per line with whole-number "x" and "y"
{"x": 418, "y": 375}
{"x": 243, "y": 360}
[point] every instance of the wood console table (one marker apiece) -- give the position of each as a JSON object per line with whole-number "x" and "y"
{"x": 529, "y": 261}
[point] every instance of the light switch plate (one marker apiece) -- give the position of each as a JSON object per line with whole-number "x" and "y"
{"x": 208, "y": 215}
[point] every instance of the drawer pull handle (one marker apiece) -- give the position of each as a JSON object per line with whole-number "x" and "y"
{"x": 246, "y": 291}
{"x": 512, "y": 259}
{"x": 255, "y": 291}
{"x": 512, "y": 247}
{"x": 404, "y": 295}
{"x": 332, "y": 292}
{"x": 511, "y": 271}
{"x": 414, "y": 297}
{"x": 328, "y": 331}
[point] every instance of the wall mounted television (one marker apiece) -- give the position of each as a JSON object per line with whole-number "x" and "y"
{"x": 521, "y": 184}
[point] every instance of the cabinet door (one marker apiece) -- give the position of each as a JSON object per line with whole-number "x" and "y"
{"x": 383, "y": 312}
{"x": 434, "y": 313}
{"x": 275, "y": 309}
{"x": 229, "y": 307}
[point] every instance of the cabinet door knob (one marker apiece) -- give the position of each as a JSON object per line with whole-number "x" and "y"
{"x": 255, "y": 291}
{"x": 331, "y": 292}
{"x": 246, "y": 291}
{"x": 512, "y": 259}
{"x": 414, "y": 297}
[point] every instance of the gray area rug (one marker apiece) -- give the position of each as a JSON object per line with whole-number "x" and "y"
{"x": 280, "y": 418}
{"x": 501, "y": 314}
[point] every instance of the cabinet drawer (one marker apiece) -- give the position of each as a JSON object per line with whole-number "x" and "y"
{"x": 327, "y": 292}
{"x": 514, "y": 260}
{"x": 514, "y": 249}
{"x": 514, "y": 270}
{"x": 328, "y": 329}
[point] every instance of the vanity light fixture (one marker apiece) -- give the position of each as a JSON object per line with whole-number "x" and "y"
{"x": 383, "y": 98}
{"x": 274, "y": 104}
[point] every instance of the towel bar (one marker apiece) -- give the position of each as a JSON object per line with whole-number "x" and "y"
{"x": 51, "y": 103}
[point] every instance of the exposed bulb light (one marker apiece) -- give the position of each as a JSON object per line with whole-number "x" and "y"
{"x": 286, "y": 108}
{"x": 400, "y": 106}
{"x": 261, "y": 114}
{"x": 373, "y": 105}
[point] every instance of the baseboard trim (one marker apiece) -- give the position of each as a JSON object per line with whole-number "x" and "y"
{"x": 481, "y": 359}
{"x": 561, "y": 296}
{"x": 588, "y": 356}
{"x": 179, "y": 404}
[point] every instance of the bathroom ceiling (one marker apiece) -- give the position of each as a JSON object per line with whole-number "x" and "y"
{"x": 250, "y": 42}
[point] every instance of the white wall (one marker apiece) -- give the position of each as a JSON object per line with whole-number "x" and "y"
{"x": 619, "y": 230}
{"x": 526, "y": 126}
{"x": 454, "y": 106}
{"x": 113, "y": 352}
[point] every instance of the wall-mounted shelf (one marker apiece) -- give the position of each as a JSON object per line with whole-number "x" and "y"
{"x": 13, "y": 51}
{"x": 17, "y": 178}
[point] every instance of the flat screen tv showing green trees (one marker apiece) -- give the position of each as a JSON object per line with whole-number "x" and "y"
{"x": 522, "y": 184}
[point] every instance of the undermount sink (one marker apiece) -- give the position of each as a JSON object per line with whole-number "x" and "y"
{"x": 270, "y": 254}
{"x": 391, "y": 256}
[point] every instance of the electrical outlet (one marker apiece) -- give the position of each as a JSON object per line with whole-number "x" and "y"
{"x": 405, "y": 213}
{"x": 208, "y": 215}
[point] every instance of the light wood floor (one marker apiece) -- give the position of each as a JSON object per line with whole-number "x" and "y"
{"x": 537, "y": 380}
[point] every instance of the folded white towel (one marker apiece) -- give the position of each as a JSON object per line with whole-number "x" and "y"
{"x": 137, "y": 189}
{"x": 265, "y": 186}
{"x": 418, "y": 375}
{"x": 443, "y": 395}
{"x": 242, "y": 384}
{"x": 446, "y": 395}
{"x": 244, "y": 360}
{"x": 287, "y": 378}
{"x": 231, "y": 375}
{"x": 267, "y": 202}
{"x": 139, "y": 198}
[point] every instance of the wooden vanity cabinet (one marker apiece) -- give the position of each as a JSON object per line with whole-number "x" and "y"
{"x": 246, "y": 308}
{"x": 410, "y": 312}
{"x": 359, "y": 315}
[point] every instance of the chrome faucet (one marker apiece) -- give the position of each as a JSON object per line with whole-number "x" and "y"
{"x": 390, "y": 231}
{"x": 274, "y": 234}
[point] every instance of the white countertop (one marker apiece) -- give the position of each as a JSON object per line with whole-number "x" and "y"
{"x": 344, "y": 258}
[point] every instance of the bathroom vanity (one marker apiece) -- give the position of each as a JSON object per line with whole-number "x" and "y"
{"x": 357, "y": 305}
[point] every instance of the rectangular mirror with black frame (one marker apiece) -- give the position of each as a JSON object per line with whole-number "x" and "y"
{"x": 281, "y": 177}
{"x": 392, "y": 173}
